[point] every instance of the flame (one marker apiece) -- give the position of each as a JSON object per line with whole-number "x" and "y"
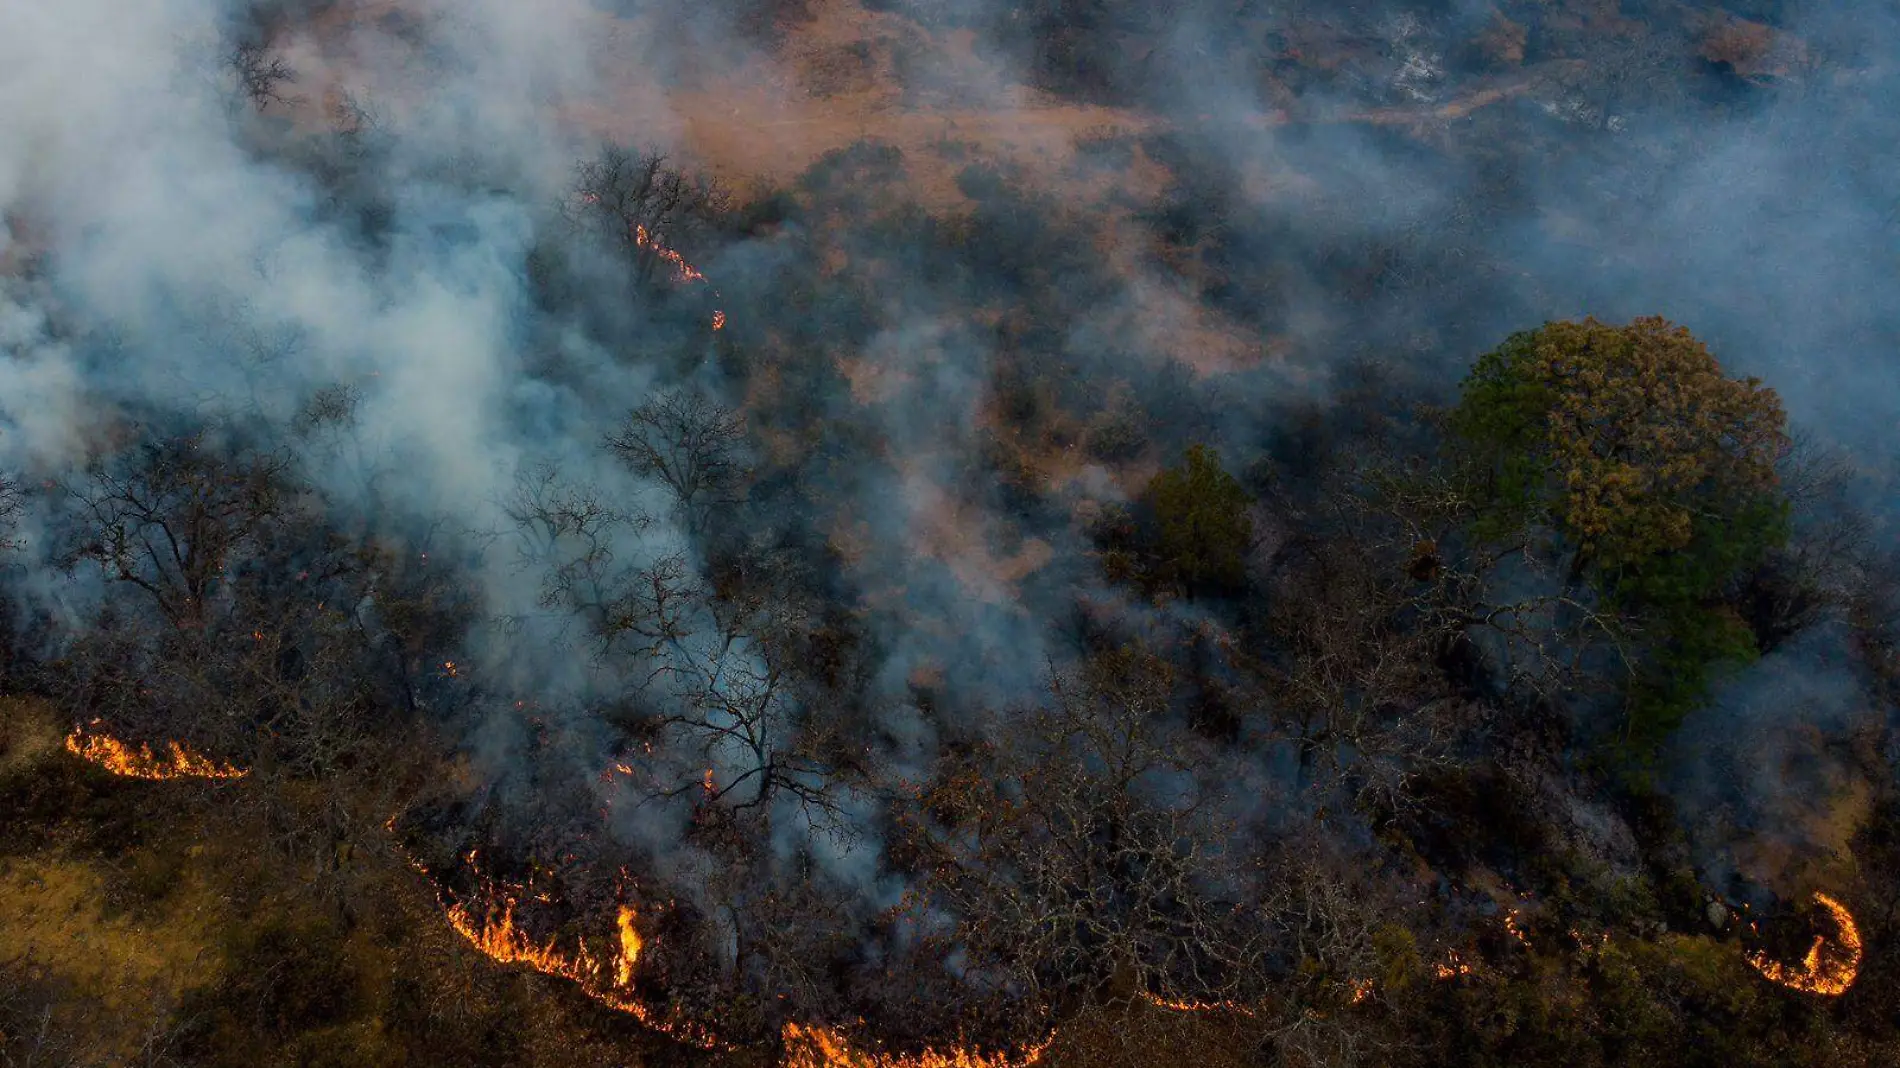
{"x": 1188, "y": 1005}
{"x": 1824, "y": 972}
{"x": 1361, "y": 990}
{"x": 1452, "y": 967}
{"x": 630, "y": 943}
{"x": 813, "y": 1046}
{"x": 141, "y": 763}
{"x": 1512, "y": 925}
{"x": 683, "y": 271}
{"x": 490, "y": 927}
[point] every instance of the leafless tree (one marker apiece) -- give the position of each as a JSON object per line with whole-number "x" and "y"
{"x": 1538, "y": 620}
{"x": 12, "y": 502}
{"x": 639, "y": 206}
{"x": 715, "y": 664}
{"x": 259, "y": 75}
{"x": 1381, "y": 617}
{"x": 1075, "y": 859}
{"x": 278, "y": 640}
{"x": 1829, "y": 553}
{"x": 693, "y": 445}
{"x": 731, "y": 720}
{"x": 167, "y": 515}
{"x": 575, "y": 540}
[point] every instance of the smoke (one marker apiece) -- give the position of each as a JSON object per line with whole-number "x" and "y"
{"x": 1778, "y": 771}
{"x": 177, "y": 257}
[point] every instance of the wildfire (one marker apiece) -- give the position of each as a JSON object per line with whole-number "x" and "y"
{"x": 1821, "y": 971}
{"x": 822, "y": 1047}
{"x": 492, "y": 929}
{"x": 630, "y": 943}
{"x": 609, "y": 979}
{"x": 1188, "y": 1005}
{"x": 141, "y": 762}
{"x": 1451, "y": 967}
{"x": 1516, "y": 929}
{"x": 683, "y": 272}
{"x": 1361, "y": 990}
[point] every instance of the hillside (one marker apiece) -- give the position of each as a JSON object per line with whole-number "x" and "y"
{"x": 883, "y": 534}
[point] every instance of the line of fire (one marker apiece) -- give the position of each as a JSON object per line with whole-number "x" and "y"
{"x": 608, "y": 971}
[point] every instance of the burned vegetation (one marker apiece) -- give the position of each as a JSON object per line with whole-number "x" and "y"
{"x": 1270, "y": 587}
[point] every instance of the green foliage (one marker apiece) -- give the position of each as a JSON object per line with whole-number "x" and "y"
{"x": 1501, "y": 413}
{"x": 1626, "y": 441}
{"x": 1627, "y": 449}
{"x": 1204, "y": 526}
{"x": 1689, "y": 646}
{"x": 1400, "y": 963}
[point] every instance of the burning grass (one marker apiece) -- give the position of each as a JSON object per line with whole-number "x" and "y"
{"x": 1829, "y": 967}
{"x": 487, "y": 920}
{"x": 823, "y": 1047}
{"x": 140, "y": 762}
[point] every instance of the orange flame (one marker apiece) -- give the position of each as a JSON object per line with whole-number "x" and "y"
{"x": 141, "y": 763}
{"x": 1822, "y": 971}
{"x": 683, "y": 271}
{"x": 1361, "y": 990}
{"x": 492, "y": 931}
{"x": 1452, "y": 967}
{"x": 823, "y": 1047}
{"x": 1517, "y": 931}
{"x": 1188, "y": 1005}
{"x": 630, "y": 943}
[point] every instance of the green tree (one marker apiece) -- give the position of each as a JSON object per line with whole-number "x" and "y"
{"x": 1204, "y": 527}
{"x": 1629, "y": 450}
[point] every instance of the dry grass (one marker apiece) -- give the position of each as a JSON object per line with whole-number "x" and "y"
{"x": 65, "y": 920}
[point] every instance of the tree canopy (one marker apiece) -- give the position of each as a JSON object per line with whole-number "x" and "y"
{"x": 1204, "y": 526}
{"x": 1633, "y": 454}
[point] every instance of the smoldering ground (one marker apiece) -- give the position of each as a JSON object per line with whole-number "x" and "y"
{"x": 184, "y": 259}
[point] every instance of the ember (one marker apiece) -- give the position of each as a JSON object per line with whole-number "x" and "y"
{"x": 140, "y": 762}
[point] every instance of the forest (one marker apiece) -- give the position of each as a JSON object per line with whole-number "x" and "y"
{"x": 874, "y": 534}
